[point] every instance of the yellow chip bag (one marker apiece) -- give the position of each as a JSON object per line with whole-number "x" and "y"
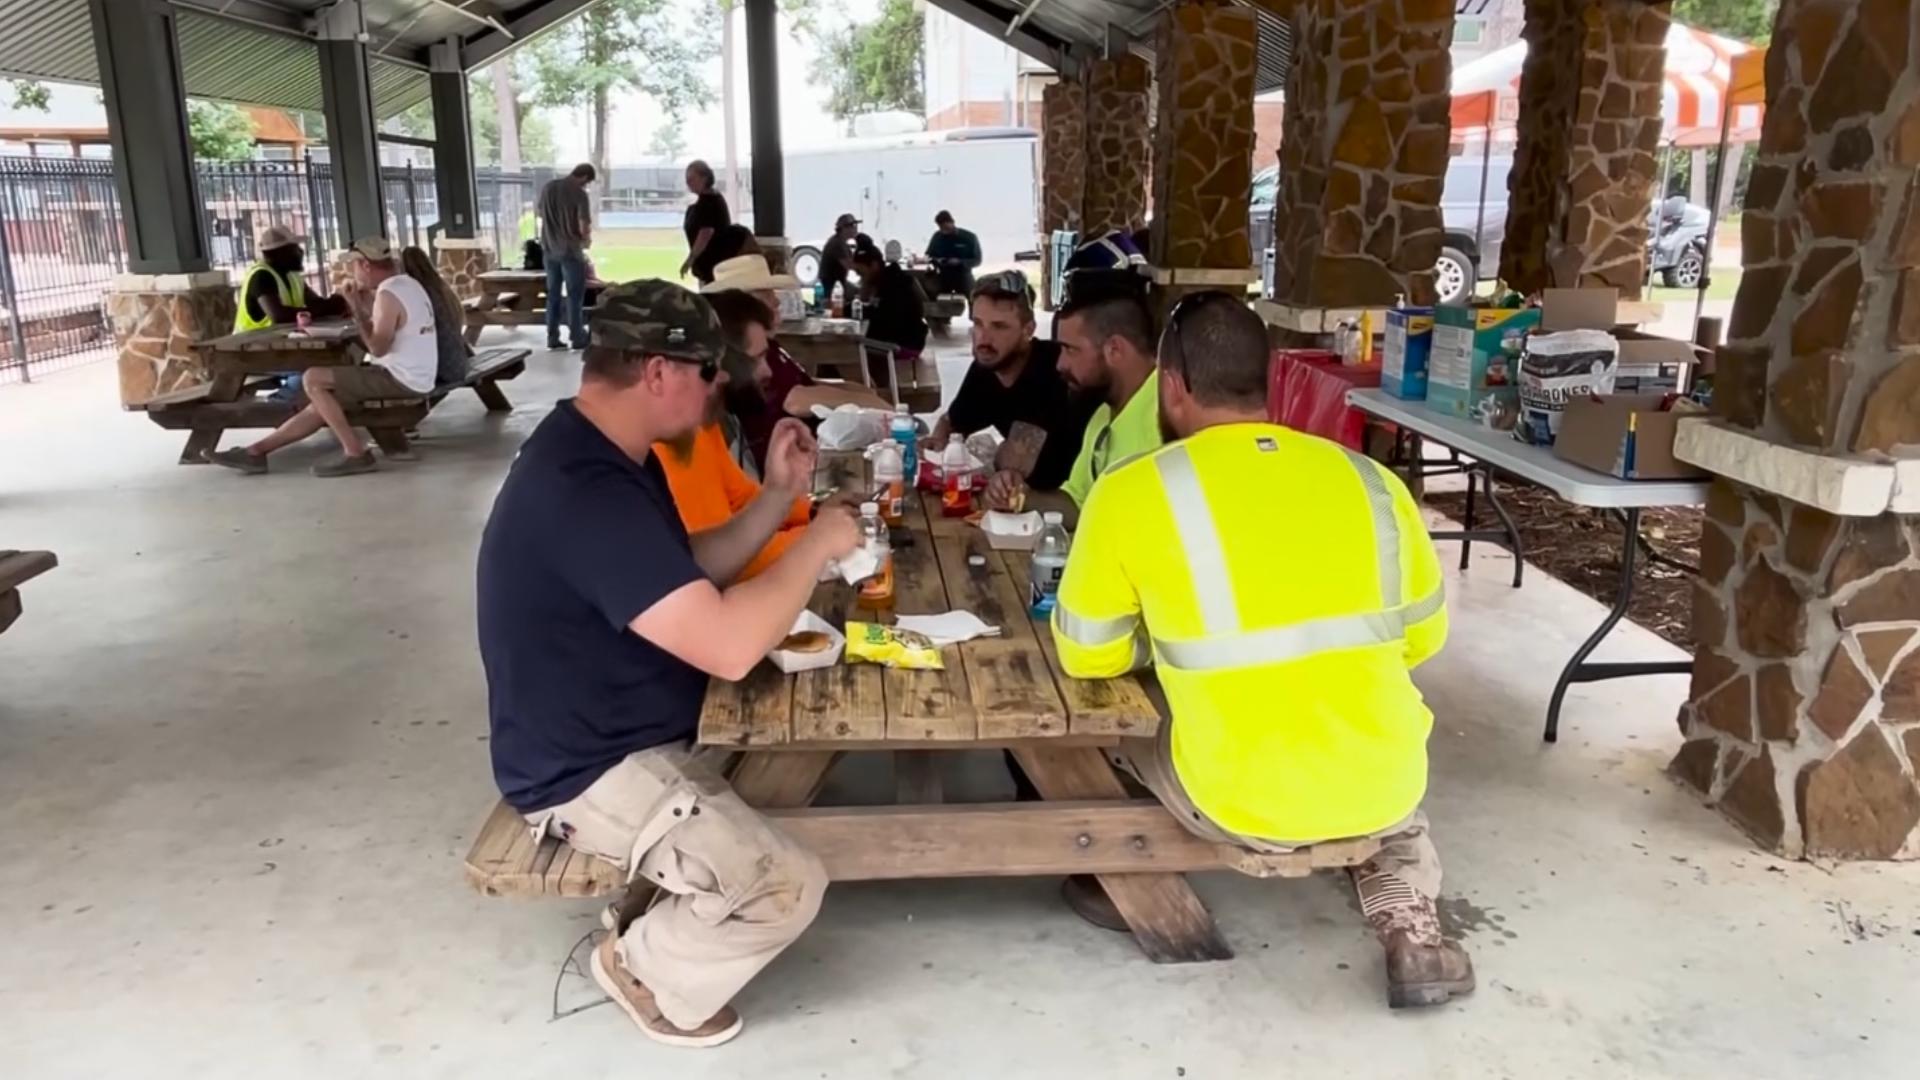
{"x": 872, "y": 643}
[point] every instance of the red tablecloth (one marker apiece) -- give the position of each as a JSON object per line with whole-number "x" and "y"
{"x": 1307, "y": 391}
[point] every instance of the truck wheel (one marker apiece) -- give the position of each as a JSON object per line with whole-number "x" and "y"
{"x": 804, "y": 263}
{"x": 1687, "y": 272}
{"x": 1453, "y": 275}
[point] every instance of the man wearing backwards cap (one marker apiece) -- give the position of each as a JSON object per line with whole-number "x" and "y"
{"x": 601, "y": 621}
{"x": 836, "y": 259}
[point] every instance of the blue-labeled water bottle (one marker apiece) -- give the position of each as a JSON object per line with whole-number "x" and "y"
{"x": 1049, "y": 563}
{"x": 903, "y": 431}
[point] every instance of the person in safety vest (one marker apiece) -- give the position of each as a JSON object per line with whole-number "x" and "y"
{"x": 274, "y": 291}
{"x": 1284, "y": 588}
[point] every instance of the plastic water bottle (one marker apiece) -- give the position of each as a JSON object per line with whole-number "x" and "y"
{"x": 903, "y": 431}
{"x": 1049, "y": 562}
{"x": 890, "y": 477}
{"x": 876, "y": 592}
{"x": 956, "y": 479}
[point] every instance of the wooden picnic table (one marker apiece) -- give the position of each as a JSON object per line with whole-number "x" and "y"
{"x": 238, "y": 364}
{"x": 507, "y": 298}
{"x": 995, "y": 693}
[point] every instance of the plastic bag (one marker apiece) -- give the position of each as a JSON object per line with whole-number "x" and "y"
{"x": 850, "y": 427}
{"x": 1557, "y": 367}
{"x": 872, "y": 643}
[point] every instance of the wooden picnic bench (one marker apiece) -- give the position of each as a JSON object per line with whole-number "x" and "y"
{"x": 237, "y": 364}
{"x": 16, "y": 569}
{"x": 995, "y": 693}
{"x": 508, "y": 298}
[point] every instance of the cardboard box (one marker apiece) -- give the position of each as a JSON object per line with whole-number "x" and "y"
{"x": 1594, "y": 430}
{"x": 1476, "y": 356}
{"x": 1409, "y": 349}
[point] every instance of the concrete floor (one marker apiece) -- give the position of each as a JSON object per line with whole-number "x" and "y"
{"x": 242, "y": 753}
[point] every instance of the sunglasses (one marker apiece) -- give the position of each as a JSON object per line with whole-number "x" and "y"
{"x": 1182, "y": 308}
{"x": 709, "y": 369}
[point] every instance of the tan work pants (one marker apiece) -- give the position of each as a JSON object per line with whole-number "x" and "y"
{"x": 1397, "y": 887}
{"x": 734, "y": 889}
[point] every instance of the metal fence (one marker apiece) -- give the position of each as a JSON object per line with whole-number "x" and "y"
{"x": 63, "y": 238}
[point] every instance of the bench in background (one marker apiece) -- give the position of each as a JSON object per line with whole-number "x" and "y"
{"x": 17, "y": 568}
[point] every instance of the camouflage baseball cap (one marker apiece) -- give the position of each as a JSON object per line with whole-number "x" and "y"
{"x": 658, "y": 318}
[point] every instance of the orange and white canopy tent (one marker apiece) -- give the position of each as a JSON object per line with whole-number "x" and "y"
{"x": 1706, "y": 73}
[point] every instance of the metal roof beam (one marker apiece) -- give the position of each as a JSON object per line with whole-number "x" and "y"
{"x": 1031, "y": 40}
{"x": 484, "y": 49}
{"x": 255, "y": 13}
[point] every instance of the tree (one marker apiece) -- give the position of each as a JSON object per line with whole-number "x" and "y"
{"x": 669, "y": 140}
{"x": 219, "y": 131}
{"x": 870, "y": 67}
{"x": 30, "y": 94}
{"x": 623, "y": 44}
{"x": 1747, "y": 20}
{"x": 535, "y": 136}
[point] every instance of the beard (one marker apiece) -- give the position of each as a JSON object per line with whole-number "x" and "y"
{"x": 744, "y": 398}
{"x": 993, "y": 359}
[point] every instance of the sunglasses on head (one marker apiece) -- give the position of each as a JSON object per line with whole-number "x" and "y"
{"x": 1182, "y": 308}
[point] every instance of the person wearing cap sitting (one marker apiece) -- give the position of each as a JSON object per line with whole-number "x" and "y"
{"x": 601, "y": 621}
{"x": 274, "y": 291}
{"x": 396, "y": 323}
{"x": 895, "y": 308}
{"x": 836, "y": 258}
{"x": 954, "y": 252}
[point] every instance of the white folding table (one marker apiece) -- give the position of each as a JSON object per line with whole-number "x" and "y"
{"x": 1499, "y": 451}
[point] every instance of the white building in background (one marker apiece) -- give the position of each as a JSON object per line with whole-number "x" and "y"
{"x": 1484, "y": 26}
{"x": 975, "y": 79}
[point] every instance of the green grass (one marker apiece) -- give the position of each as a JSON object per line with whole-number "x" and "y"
{"x": 620, "y": 263}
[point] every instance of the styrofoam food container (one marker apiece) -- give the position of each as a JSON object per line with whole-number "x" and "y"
{"x": 792, "y": 662}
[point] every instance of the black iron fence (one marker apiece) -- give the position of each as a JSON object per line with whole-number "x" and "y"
{"x": 63, "y": 239}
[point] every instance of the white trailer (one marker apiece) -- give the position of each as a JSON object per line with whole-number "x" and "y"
{"x": 987, "y": 177}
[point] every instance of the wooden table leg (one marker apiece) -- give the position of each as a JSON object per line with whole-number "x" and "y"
{"x": 199, "y": 441}
{"x": 781, "y": 779}
{"x": 1167, "y": 918}
{"x": 494, "y": 398}
{"x": 393, "y": 441}
{"x": 916, "y": 778}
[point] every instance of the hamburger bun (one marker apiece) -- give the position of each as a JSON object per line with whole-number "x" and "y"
{"x": 806, "y": 641}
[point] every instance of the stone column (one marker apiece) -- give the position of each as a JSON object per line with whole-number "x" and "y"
{"x": 461, "y": 261}
{"x": 1203, "y": 148}
{"x": 1803, "y": 723}
{"x": 1063, "y": 169}
{"x": 156, "y": 318}
{"x": 1363, "y": 153}
{"x": 1116, "y": 186}
{"x": 1584, "y": 168}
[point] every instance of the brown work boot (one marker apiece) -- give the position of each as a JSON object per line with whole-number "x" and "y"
{"x": 1420, "y": 972}
{"x": 637, "y": 1001}
{"x": 1084, "y": 894}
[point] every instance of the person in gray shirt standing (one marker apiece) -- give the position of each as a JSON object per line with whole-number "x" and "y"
{"x": 566, "y": 232}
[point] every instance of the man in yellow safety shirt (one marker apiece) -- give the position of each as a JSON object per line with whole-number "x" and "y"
{"x": 274, "y": 291}
{"x": 1106, "y": 348}
{"x": 1284, "y": 588}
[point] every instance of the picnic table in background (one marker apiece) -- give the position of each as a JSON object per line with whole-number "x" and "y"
{"x": 239, "y": 366}
{"x": 818, "y": 344}
{"x": 508, "y": 298}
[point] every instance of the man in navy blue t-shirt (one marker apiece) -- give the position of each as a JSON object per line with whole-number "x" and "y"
{"x": 600, "y": 623}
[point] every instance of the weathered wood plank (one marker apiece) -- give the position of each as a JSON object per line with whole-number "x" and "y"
{"x": 19, "y": 567}
{"x": 781, "y": 779}
{"x": 845, "y": 701}
{"x": 1094, "y": 706}
{"x": 756, "y": 711}
{"x": 1167, "y": 919}
{"x": 932, "y": 705}
{"x": 1011, "y": 687}
{"x": 876, "y": 843}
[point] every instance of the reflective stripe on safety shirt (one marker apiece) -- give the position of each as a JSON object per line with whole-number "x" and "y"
{"x": 1286, "y": 586}
{"x": 292, "y": 289}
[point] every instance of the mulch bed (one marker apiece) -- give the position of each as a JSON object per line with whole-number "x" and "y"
{"x": 1581, "y": 546}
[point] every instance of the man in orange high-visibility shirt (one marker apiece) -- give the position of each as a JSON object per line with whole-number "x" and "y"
{"x": 708, "y": 483}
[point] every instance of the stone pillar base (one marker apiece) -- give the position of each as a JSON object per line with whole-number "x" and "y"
{"x": 156, "y": 319}
{"x": 461, "y": 260}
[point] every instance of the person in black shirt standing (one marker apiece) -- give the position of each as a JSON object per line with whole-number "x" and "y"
{"x": 600, "y": 622}
{"x": 707, "y": 216}
{"x": 1015, "y": 379}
